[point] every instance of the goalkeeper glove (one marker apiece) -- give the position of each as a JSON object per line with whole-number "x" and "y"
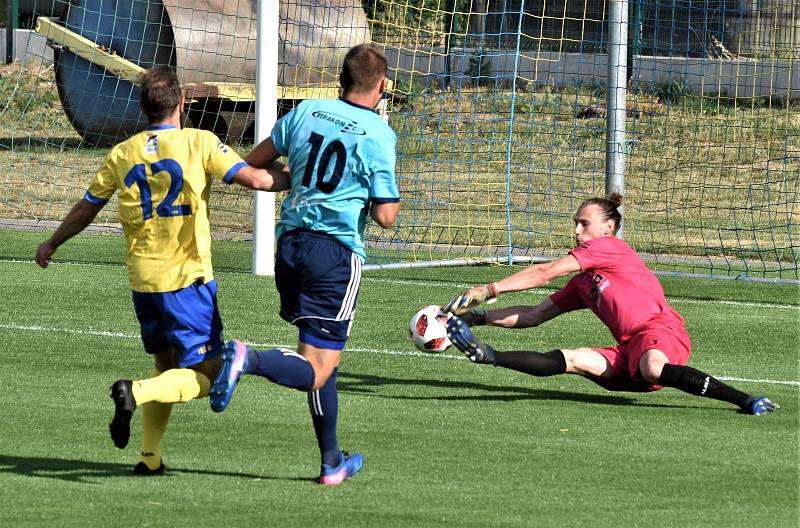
{"x": 472, "y": 298}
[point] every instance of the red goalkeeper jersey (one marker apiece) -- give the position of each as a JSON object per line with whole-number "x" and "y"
{"x": 617, "y": 286}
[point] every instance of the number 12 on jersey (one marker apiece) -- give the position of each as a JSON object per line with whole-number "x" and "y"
{"x": 138, "y": 176}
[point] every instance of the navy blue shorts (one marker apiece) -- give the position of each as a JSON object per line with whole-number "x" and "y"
{"x": 186, "y": 319}
{"x": 318, "y": 280}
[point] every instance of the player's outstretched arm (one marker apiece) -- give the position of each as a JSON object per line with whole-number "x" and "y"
{"x": 263, "y": 154}
{"x": 530, "y": 277}
{"x": 538, "y": 275}
{"x": 274, "y": 179}
{"x": 523, "y": 316}
{"x": 79, "y": 217}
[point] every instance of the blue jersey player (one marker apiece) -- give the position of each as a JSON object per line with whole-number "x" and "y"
{"x": 341, "y": 160}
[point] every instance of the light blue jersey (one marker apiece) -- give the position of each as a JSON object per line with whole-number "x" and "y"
{"x": 341, "y": 158}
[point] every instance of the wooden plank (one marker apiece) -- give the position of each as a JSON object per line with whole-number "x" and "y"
{"x": 242, "y": 92}
{"x": 123, "y": 68}
{"x": 81, "y": 46}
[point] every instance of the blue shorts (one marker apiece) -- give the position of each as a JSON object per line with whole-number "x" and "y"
{"x": 318, "y": 280}
{"x": 186, "y": 319}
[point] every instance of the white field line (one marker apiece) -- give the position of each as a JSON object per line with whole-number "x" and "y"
{"x": 383, "y": 351}
{"x": 463, "y": 286}
{"x": 743, "y": 304}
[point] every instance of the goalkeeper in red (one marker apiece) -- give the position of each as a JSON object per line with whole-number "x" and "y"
{"x": 652, "y": 347}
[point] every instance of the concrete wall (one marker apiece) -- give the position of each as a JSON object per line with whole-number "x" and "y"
{"x": 754, "y": 28}
{"x": 712, "y": 77}
{"x": 28, "y": 47}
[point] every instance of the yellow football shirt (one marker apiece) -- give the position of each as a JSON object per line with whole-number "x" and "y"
{"x": 164, "y": 175}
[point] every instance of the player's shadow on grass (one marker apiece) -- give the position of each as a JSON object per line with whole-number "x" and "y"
{"x": 367, "y": 384}
{"x": 81, "y": 470}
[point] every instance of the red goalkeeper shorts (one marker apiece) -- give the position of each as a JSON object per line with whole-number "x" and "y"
{"x": 673, "y": 341}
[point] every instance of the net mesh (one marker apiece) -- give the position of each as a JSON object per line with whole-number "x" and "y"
{"x": 499, "y": 107}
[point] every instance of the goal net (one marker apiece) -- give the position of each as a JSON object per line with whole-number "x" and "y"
{"x": 499, "y": 107}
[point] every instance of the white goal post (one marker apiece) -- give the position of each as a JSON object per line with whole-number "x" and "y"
{"x": 266, "y": 115}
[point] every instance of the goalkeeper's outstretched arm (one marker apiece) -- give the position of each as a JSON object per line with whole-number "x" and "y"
{"x": 523, "y": 316}
{"x": 538, "y": 275}
{"x": 530, "y": 277}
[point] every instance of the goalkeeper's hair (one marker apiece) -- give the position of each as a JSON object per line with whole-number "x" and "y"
{"x": 609, "y": 208}
{"x": 160, "y": 92}
{"x": 363, "y": 66}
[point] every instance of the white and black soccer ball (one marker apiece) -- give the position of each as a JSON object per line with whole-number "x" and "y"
{"x": 428, "y": 329}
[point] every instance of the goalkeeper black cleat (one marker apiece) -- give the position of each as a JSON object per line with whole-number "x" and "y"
{"x": 141, "y": 469}
{"x": 124, "y": 405}
{"x": 462, "y": 337}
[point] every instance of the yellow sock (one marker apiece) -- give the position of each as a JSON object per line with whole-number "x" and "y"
{"x": 155, "y": 417}
{"x": 174, "y": 385}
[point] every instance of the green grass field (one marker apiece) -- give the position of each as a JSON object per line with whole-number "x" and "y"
{"x": 446, "y": 443}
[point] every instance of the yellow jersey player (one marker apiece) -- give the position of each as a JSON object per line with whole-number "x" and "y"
{"x": 163, "y": 175}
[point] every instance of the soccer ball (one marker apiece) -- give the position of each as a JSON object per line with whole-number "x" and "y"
{"x": 428, "y": 330}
